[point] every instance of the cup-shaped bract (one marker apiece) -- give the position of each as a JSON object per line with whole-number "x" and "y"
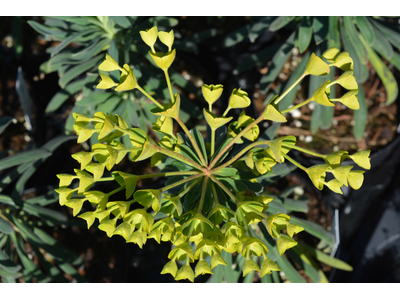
{"x": 213, "y": 121}
{"x": 331, "y": 54}
{"x": 362, "y": 159}
{"x": 127, "y": 81}
{"x": 163, "y": 60}
{"x": 149, "y": 36}
{"x": 109, "y": 64}
{"x": 170, "y": 267}
{"x": 211, "y": 93}
{"x": 317, "y": 175}
{"x": 343, "y": 61}
{"x": 164, "y": 125}
{"x": 239, "y": 99}
{"x": 167, "y": 38}
{"x": 105, "y": 82}
{"x": 268, "y": 266}
{"x": 320, "y": 95}
{"x": 350, "y": 99}
{"x": 316, "y": 66}
{"x": 250, "y": 266}
{"x": 347, "y": 80}
{"x": 170, "y": 109}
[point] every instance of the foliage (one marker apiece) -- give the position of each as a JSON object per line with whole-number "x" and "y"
{"x": 366, "y": 39}
{"x": 213, "y": 202}
{"x": 83, "y": 41}
{"x": 24, "y": 222}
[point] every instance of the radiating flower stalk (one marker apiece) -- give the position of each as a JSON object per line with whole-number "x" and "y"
{"x": 207, "y": 205}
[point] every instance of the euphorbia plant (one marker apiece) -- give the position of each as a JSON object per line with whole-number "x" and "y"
{"x": 212, "y": 201}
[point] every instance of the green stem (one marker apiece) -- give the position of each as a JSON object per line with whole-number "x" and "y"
{"x": 212, "y": 141}
{"x": 226, "y": 111}
{"x": 169, "y": 84}
{"x": 167, "y": 174}
{"x": 196, "y": 147}
{"x": 183, "y": 193}
{"x": 203, "y": 195}
{"x": 290, "y": 88}
{"x": 180, "y": 182}
{"x": 307, "y": 151}
{"x": 116, "y": 191}
{"x": 222, "y": 186}
{"x": 298, "y": 105}
{"x": 237, "y": 156}
{"x": 227, "y": 147}
{"x": 178, "y": 156}
{"x": 294, "y": 162}
{"x": 150, "y": 97}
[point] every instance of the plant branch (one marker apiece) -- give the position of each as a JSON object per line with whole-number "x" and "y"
{"x": 290, "y": 88}
{"x": 297, "y": 106}
{"x": 222, "y": 186}
{"x": 196, "y": 147}
{"x": 227, "y": 147}
{"x": 294, "y": 162}
{"x": 150, "y": 97}
{"x": 203, "y": 195}
{"x": 181, "y": 182}
{"x": 237, "y": 156}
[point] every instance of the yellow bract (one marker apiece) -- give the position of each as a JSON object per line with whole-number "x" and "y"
{"x": 320, "y": 95}
{"x": 213, "y": 121}
{"x": 212, "y": 92}
{"x": 316, "y": 66}
{"x": 167, "y": 38}
{"x": 149, "y": 36}
{"x": 163, "y": 60}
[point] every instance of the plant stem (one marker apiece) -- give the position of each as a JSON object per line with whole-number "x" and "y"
{"x": 294, "y": 162}
{"x": 203, "y": 195}
{"x": 169, "y": 84}
{"x": 243, "y": 132}
{"x": 178, "y": 156}
{"x": 298, "y": 105}
{"x": 116, "y": 191}
{"x": 290, "y": 88}
{"x": 222, "y": 186}
{"x": 237, "y": 156}
{"x": 212, "y": 141}
{"x": 181, "y": 182}
{"x": 307, "y": 151}
{"x": 183, "y": 193}
{"x": 167, "y": 174}
{"x": 150, "y": 97}
{"x": 196, "y": 147}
